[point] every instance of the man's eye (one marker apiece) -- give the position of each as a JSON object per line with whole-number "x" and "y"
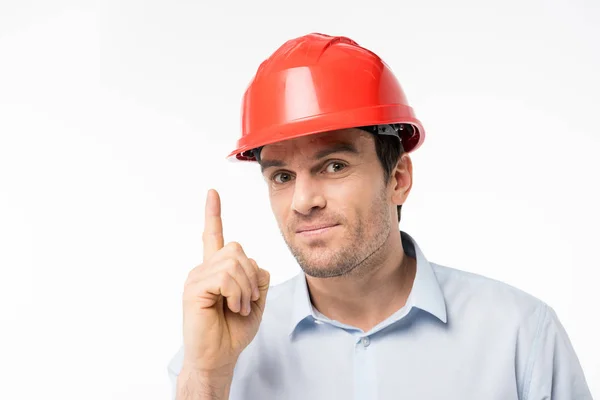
{"x": 335, "y": 166}
{"x": 282, "y": 177}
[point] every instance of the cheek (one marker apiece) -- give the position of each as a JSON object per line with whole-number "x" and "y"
{"x": 350, "y": 197}
{"x": 280, "y": 204}
{"x": 355, "y": 189}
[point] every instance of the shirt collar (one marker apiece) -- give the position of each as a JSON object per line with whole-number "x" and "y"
{"x": 425, "y": 294}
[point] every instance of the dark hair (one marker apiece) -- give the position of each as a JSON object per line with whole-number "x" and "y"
{"x": 389, "y": 150}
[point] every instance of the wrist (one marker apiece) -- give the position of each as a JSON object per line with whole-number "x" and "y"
{"x": 209, "y": 372}
{"x": 194, "y": 383}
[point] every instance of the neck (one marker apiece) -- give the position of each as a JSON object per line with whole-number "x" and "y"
{"x": 372, "y": 292}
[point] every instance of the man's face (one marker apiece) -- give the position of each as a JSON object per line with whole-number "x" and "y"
{"x": 330, "y": 200}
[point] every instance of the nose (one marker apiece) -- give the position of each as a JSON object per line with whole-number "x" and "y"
{"x": 307, "y": 195}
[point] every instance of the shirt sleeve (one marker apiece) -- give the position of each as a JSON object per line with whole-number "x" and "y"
{"x": 554, "y": 371}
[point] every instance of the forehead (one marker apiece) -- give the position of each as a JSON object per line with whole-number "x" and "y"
{"x": 312, "y": 144}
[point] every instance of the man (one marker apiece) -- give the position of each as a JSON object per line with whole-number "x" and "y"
{"x": 369, "y": 317}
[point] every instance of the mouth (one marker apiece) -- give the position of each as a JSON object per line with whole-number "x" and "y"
{"x": 315, "y": 230}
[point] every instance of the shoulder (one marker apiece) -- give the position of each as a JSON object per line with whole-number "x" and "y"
{"x": 485, "y": 297}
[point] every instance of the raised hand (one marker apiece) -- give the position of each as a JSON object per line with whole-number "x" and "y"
{"x": 223, "y": 301}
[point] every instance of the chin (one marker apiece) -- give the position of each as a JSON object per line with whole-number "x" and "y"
{"x": 312, "y": 259}
{"x": 323, "y": 264}
{"x": 324, "y": 271}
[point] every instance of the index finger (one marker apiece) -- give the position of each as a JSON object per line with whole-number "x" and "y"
{"x": 212, "y": 238}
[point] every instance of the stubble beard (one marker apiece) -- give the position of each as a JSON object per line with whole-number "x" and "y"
{"x": 360, "y": 252}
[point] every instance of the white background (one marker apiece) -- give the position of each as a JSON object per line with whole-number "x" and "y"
{"x": 116, "y": 117}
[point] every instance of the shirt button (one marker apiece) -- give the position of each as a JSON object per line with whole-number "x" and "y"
{"x": 366, "y": 341}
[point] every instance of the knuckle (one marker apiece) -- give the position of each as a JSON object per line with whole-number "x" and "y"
{"x": 190, "y": 280}
{"x": 231, "y": 264}
{"x": 224, "y": 277}
{"x": 234, "y": 246}
{"x": 189, "y": 276}
{"x": 254, "y": 266}
{"x": 194, "y": 271}
{"x": 252, "y": 277}
{"x": 227, "y": 282}
{"x": 238, "y": 270}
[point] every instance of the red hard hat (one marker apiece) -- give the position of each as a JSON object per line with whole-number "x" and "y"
{"x": 317, "y": 83}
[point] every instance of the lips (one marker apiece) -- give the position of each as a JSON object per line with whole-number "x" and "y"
{"x": 315, "y": 228}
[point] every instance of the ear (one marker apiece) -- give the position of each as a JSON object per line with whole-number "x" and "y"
{"x": 401, "y": 179}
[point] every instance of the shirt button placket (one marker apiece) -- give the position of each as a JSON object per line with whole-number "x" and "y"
{"x": 365, "y": 381}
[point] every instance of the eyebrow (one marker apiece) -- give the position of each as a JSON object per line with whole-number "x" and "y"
{"x": 264, "y": 164}
{"x": 337, "y": 148}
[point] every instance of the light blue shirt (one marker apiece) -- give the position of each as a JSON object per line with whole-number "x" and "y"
{"x": 460, "y": 336}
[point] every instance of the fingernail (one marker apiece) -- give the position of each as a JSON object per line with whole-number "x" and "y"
{"x": 248, "y": 308}
{"x": 255, "y": 294}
